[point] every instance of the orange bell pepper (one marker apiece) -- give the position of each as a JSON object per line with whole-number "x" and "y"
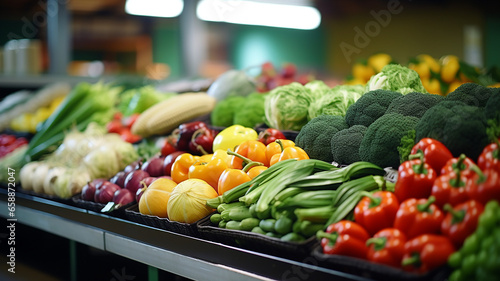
{"x": 180, "y": 167}
{"x": 276, "y": 148}
{"x": 255, "y": 171}
{"x": 208, "y": 170}
{"x": 231, "y": 178}
{"x": 251, "y": 149}
{"x": 294, "y": 152}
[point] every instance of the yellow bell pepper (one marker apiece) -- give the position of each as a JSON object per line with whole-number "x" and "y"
{"x": 180, "y": 168}
{"x": 233, "y": 136}
{"x": 209, "y": 171}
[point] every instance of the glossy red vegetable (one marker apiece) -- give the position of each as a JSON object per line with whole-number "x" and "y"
{"x": 270, "y": 135}
{"x": 185, "y": 132}
{"x": 387, "y": 247}
{"x": 490, "y": 157}
{"x": 426, "y": 252}
{"x": 418, "y": 216}
{"x": 415, "y": 179}
{"x": 484, "y": 185}
{"x": 461, "y": 163}
{"x": 376, "y": 211}
{"x": 344, "y": 238}
{"x": 436, "y": 154}
{"x": 449, "y": 188}
{"x": 461, "y": 221}
{"x": 169, "y": 146}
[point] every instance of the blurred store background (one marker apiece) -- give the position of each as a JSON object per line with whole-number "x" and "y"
{"x": 96, "y": 38}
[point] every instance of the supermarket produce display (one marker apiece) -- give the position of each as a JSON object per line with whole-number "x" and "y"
{"x": 379, "y": 178}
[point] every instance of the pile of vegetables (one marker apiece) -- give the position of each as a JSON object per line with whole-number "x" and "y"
{"x": 82, "y": 156}
{"x": 9, "y": 143}
{"x": 430, "y": 219}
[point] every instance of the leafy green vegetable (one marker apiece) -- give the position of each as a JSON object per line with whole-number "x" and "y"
{"x": 413, "y": 104}
{"x": 369, "y": 107}
{"x": 345, "y": 144}
{"x": 317, "y": 88}
{"x": 460, "y": 127}
{"x": 286, "y": 107}
{"x": 398, "y": 78}
{"x": 231, "y": 83}
{"x": 223, "y": 112}
{"x": 406, "y": 145}
{"x": 336, "y": 101}
{"x": 143, "y": 98}
{"x": 315, "y": 137}
{"x": 251, "y": 113}
{"x": 382, "y": 138}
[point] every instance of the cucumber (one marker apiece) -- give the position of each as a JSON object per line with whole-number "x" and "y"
{"x": 283, "y": 225}
{"x": 235, "y": 225}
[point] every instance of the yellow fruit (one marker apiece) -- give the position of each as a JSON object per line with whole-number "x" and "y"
{"x": 154, "y": 201}
{"x": 430, "y": 62}
{"x": 378, "y": 61}
{"x": 422, "y": 69}
{"x": 496, "y": 85}
{"x": 362, "y": 72}
{"x": 432, "y": 86}
{"x": 449, "y": 69}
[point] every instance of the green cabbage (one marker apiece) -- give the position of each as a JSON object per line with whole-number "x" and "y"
{"x": 336, "y": 101}
{"x": 317, "y": 88}
{"x": 397, "y": 78}
{"x": 286, "y": 107}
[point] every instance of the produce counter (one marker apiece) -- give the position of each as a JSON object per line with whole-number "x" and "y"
{"x": 182, "y": 255}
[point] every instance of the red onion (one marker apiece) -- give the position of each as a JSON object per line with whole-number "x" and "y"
{"x": 88, "y": 190}
{"x": 133, "y": 166}
{"x": 123, "y": 197}
{"x": 133, "y": 180}
{"x": 119, "y": 179}
{"x": 139, "y": 194}
{"x": 154, "y": 166}
{"x": 147, "y": 181}
{"x": 106, "y": 192}
{"x": 169, "y": 160}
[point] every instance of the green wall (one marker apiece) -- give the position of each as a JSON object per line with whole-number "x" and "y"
{"x": 492, "y": 41}
{"x": 167, "y": 45}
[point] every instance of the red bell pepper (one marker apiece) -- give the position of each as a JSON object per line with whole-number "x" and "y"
{"x": 436, "y": 154}
{"x": 426, "y": 252}
{"x": 418, "y": 216}
{"x": 461, "y": 221}
{"x": 484, "y": 185}
{"x": 387, "y": 247}
{"x": 461, "y": 163}
{"x": 270, "y": 135}
{"x": 344, "y": 238}
{"x": 415, "y": 179}
{"x": 449, "y": 188}
{"x": 376, "y": 211}
{"x": 490, "y": 156}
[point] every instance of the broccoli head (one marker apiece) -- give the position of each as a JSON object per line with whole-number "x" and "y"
{"x": 369, "y": 107}
{"x": 492, "y": 107}
{"x": 223, "y": 112}
{"x": 413, "y": 104}
{"x": 345, "y": 144}
{"x": 471, "y": 94}
{"x": 460, "y": 127}
{"x": 315, "y": 137}
{"x": 382, "y": 138}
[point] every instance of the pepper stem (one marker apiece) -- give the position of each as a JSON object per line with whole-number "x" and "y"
{"x": 425, "y": 207}
{"x": 457, "y": 180}
{"x": 459, "y": 165}
{"x": 414, "y": 260}
{"x": 477, "y": 170}
{"x": 246, "y": 161}
{"x": 457, "y": 216}
{"x": 332, "y": 237}
{"x": 377, "y": 242}
{"x": 374, "y": 201}
{"x": 193, "y": 140}
{"x": 281, "y": 144}
{"x": 419, "y": 168}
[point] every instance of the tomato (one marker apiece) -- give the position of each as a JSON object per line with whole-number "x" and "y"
{"x": 6, "y": 140}
{"x": 129, "y": 121}
{"x": 127, "y": 136}
{"x": 114, "y": 126}
{"x": 270, "y": 135}
{"x": 169, "y": 146}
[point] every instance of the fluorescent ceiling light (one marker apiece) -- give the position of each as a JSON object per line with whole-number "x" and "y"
{"x": 155, "y": 8}
{"x": 271, "y": 13}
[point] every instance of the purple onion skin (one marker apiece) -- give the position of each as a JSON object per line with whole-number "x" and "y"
{"x": 133, "y": 180}
{"x": 147, "y": 181}
{"x": 123, "y": 197}
{"x": 139, "y": 194}
{"x": 88, "y": 190}
{"x": 133, "y": 166}
{"x": 154, "y": 166}
{"x": 105, "y": 194}
{"x": 119, "y": 179}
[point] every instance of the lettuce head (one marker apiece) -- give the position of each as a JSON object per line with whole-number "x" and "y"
{"x": 336, "y": 100}
{"x": 396, "y": 78}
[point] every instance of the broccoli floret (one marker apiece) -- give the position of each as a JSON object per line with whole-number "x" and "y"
{"x": 251, "y": 113}
{"x": 382, "y": 138}
{"x": 315, "y": 137}
{"x": 413, "y": 104}
{"x": 492, "y": 107}
{"x": 223, "y": 112}
{"x": 345, "y": 144}
{"x": 460, "y": 127}
{"x": 471, "y": 94}
{"x": 369, "y": 107}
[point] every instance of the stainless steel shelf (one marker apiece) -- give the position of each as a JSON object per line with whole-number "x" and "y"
{"x": 187, "y": 256}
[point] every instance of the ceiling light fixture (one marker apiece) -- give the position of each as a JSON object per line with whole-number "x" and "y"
{"x": 298, "y": 14}
{"x": 155, "y": 8}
